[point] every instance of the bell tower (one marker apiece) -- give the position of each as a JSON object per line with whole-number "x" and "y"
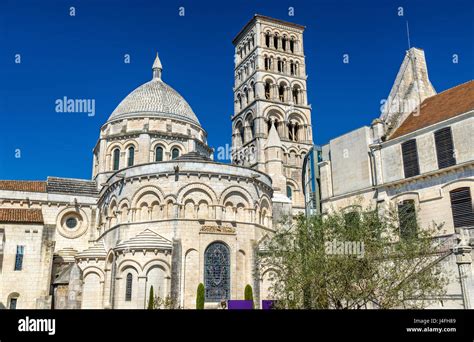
{"x": 271, "y": 125}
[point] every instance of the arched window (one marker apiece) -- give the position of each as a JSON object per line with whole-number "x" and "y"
{"x": 292, "y": 45}
{"x": 131, "y": 156}
{"x": 217, "y": 272}
{"x": 267, "y": 90}
{"x": 275, "y": 41}
{"x": 280, "y": 66}
{"x": 241, "y": 133}
{"x": 159, "y": 154}
{"x": 128, "y": 287}
{"x": 295, "y": 95}
{"x": 239, "y": 98}
{"x": 252, "y": 127}
{"x": 12, "y": 300}
{"x": 174, "y": 153}
{"x": 116, "y": 159}
{"x": 281, "y": 92}
{"x": 267, "y": 40}
{"x": 292, "y": 69}
{"x": 289, "y": 192}
{"x": 283, "y": 43}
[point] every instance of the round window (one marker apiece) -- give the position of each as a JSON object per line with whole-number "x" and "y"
{"x": 71, "y": 222}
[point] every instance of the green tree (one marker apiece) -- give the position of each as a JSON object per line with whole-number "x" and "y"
{"x": 200, "y": 297}
{"x": 151, "y": 299}
{"x": 248, "y": 293}
{"x": 353, "y": 261}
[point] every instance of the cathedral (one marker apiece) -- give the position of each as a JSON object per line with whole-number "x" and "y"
{"x": 159, "y": 211}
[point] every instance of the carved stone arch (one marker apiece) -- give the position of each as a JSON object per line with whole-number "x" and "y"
{"x": 177, "y": 145}
{"x": 157, "y": 262}
{"x": 265, "y": 202}
{"x": 274, "y": 111}
{"x": 169, "y": 197}
{"x": 123, "y": 201}
{"x": 458, "y": 183}
{"x": 128, "y": 263}
{"x": 409, "y": 195}
{"x": 159, "y": 142}
{"x": 189, "y": 188}
{"x": 296, "y": 83}
{"x": 113, "y": 146}
{"x": 297, "y": 115}
{"x": 113, "y": 201}
{"x": 145, "y": 190}
{"x": 293, "y": 184}
{"x": 237, "y": 190}
{"x": 283, "y": 81}
{"x": 93, "y": 269}
{"x": 249, "y": 115}
{"x": 130, "y": 142}
{"x": 270, "y": 78}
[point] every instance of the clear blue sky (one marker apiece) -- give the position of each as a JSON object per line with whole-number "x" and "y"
{"x": 82, "y": 57}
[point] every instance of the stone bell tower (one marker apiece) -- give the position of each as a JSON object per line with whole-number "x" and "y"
{"x": 270, "y": 95}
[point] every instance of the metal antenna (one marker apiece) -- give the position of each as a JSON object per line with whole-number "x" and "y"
{"x": 408, "y": 36}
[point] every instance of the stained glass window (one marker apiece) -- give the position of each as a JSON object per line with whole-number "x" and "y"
{"x": 116, "y": 159}
{"x": 131, "y": 156}
{"x": 128, "y": 288}
{"x": 159, "y": 154}
{"x": 217, "y": 272}
{"x": 174, "y": 153}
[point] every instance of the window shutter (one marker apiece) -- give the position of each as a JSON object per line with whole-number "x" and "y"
{"x": 461, "y": 207}
{"x": 410, "y": 158}
{"x": 444, "y": 147}
{"x": 407, "y": 219}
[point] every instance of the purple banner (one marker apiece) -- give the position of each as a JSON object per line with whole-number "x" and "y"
{"x": 240, "y": 304}
{"x": 267, "y": 304}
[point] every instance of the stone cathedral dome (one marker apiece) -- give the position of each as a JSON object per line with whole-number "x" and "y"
{"x": 155, "y": 98}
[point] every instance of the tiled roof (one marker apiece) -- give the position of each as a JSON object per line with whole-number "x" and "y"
{"x": 440, "y": 107}
{"x": 154, "y": 98}
{"x": 71, "y": 186}
{"x": 21, "y": 215}
{"x": 145, "y": 240}
{"x": 31, "y": 186}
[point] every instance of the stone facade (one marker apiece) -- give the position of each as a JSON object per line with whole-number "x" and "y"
{"x": 270, "y": 91}
{"x": 365, "y": 167}
{"x": 155, "y": 205}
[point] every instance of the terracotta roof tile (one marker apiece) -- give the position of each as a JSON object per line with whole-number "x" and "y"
{"x": 440, "y": 107}
{"x": 31, "y": 186}
{"x": 21, "y": 215}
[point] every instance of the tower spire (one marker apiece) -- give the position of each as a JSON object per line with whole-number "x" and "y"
{"x": 157, "y": 68}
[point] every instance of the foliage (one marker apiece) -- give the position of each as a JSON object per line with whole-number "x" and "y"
{"x": 151, "y": 298}
{"x": 248, "y": 293}
{"x": 200, "y": 297}
{"x": 352, "y": 260}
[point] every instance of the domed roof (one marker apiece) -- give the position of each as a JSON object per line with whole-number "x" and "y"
{"x": 155, "y": 98}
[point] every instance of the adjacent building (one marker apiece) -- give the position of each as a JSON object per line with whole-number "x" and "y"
{"x": 417, "y": 156}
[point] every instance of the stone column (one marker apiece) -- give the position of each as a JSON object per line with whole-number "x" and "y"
{"x": 141, "y": 295}
{"x": 464, "y": 260}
